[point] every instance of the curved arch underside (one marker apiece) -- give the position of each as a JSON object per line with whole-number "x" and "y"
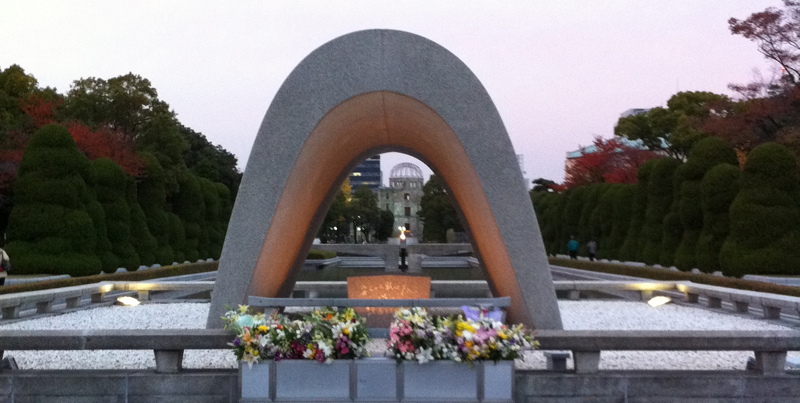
{"x": 341, "y": 105}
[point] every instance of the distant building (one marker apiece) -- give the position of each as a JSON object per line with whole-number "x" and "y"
{"x": 403, "y": 197}
{"x": 632, "y": 112}
{"x": 573, "y": 155}
{"x": 367, "y": 173}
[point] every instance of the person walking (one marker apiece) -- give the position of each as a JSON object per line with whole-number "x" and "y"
{"x": 5, "y": 264}
{"x": 591, "y": 247}
{"x": 572, "y": 247}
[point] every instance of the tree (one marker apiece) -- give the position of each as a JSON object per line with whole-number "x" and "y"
{"x": 112, "y": 193}
{"x": 50, "y": 230}
{"x": 152, "y": 198}
{"x": 602, "y": 221}
{"x": 777, "y": 34}
{"x": 612, "y": 161}
{"x": 634, "y": 242}
{"x": 544, "y": 185}
{"x": 659, "y": 200}
{"x": 624, "y": 201}
{"x": 106, "y": 143}
{"x": 706, "y": 154}
{"x": 190, "y": 208}
{"x": 209, "y": 161}
{"x": 673, "y": 227}
{"x": 718, "y": 189}
{"x": 384, "y": 228}
{"x": 765, "y": 216}
{"x": 142, "y": 240}
{"x": 124, "y": 103}
{"x": 674, "y": 129}
{"x": 437, "y": 212}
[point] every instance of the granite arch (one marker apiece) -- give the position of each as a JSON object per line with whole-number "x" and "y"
{"x": 369, "y": 92}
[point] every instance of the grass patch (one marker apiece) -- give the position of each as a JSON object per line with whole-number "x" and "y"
{"x": 667, "y": 275}
{"x": 166, "y": 271}
{"x": 342, "y": 273}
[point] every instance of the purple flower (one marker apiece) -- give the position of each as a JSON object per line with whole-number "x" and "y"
{"x": 236, "y": 342}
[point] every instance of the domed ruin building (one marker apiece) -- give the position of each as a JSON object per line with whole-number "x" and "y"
{"x": 403, "y": 196}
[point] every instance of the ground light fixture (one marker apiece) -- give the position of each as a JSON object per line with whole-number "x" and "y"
{"x": 658, "y": 301}
{"x": 128, "y": 301}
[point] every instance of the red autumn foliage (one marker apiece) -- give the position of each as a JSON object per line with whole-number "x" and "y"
{"x": 106, "y": 143}
{"x": 612, "y": 162}
{"x": 40, "y": 110}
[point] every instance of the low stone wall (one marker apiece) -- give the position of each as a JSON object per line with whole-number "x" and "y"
{"x": 119, "y": 386}
{"x": 222, "y": 386}
{"x": 656, "y": 387}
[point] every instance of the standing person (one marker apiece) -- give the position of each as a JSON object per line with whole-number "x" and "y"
{"x": 572, "y": 247}
{"x": 591, "y": 247}
{"x": 5, "y": 264}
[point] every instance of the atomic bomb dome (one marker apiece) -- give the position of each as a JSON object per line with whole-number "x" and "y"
{"x": 406, "y": 170}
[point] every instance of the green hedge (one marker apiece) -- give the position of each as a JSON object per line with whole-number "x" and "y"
{"x": 718, "y": 189}
{"x": 667, "y": 275}
{"x": 765, "y": 216}
{"x": 659, "y": 200}
{"x": 624, "y": 200}
{"x": 706, "y": 154}
{"x": 634, "y": 242}
{"x": 152, "y": 198}
{"x": 673, "y": 227}
{"x": 166, "y": 271}
{"x": 110, "y": 186}
{"x": 50, "y": 229}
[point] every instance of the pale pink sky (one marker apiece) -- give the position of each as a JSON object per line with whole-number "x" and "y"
{"x": 558, "y": 71}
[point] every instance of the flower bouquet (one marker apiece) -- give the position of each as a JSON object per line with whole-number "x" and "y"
{"x": 416, "y": 336}
{"x": 323, "y": 336}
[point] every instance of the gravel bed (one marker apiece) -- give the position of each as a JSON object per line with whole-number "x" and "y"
{"x": 576, "y": 315}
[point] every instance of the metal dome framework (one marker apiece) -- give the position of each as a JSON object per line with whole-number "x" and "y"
{"x": 405, "y": 170}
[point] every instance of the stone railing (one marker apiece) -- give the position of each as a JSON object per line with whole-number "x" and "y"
{"x": 772, "y": 304}
{"x": 770, "y": 347}
{"x": 44, "y": 299}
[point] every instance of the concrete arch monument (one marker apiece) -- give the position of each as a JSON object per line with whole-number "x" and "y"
{"x": 370, "y": 92}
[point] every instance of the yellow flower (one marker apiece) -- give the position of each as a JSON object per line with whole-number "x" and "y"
{"x": 262, "y": 329}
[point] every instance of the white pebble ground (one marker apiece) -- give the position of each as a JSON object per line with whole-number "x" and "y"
{"x": 576, "y": 315}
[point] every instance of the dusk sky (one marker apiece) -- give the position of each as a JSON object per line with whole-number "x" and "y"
{"x": 559, "y": 72}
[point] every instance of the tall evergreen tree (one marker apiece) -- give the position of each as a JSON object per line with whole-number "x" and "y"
{"x": 706, "y": 154}
{"x": 718, "y": 189}
{"x": 634, "y": 242}
{"x": 112, "y": 195}
{"x": 659, "y": 200}
{"x": 765, "y": 217}
{"x": 50, "y": 230}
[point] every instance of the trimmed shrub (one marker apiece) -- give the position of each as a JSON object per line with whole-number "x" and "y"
{"x": 555, "y": 223}
{"x": 673, "y": 227}
{"x": 112, "y": 195}
{"x": 706, "y": 154}
{"x": 589, "y": 227}
{"x": 765, "y": 219}
{"x": 212, "y": 217}
{"x": 191, "y": 210}
{"x": 571, "y": 216}
{"x": 668, "y": 275}
{"x": 659, "y": 200}
{"x": 142, "y": 240}
{"x": 152, "y": 198}
{"x": 225, "y": 208}
{"x": 634, "y": 242}
{"x": 108, "y": 261}
{"x": 602, "y": 222}
{"x": 624, "y": 200}
{"x": 177, "y": 237}
{"x": 50, "y": 229}
{"x": 718, "y": 189}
